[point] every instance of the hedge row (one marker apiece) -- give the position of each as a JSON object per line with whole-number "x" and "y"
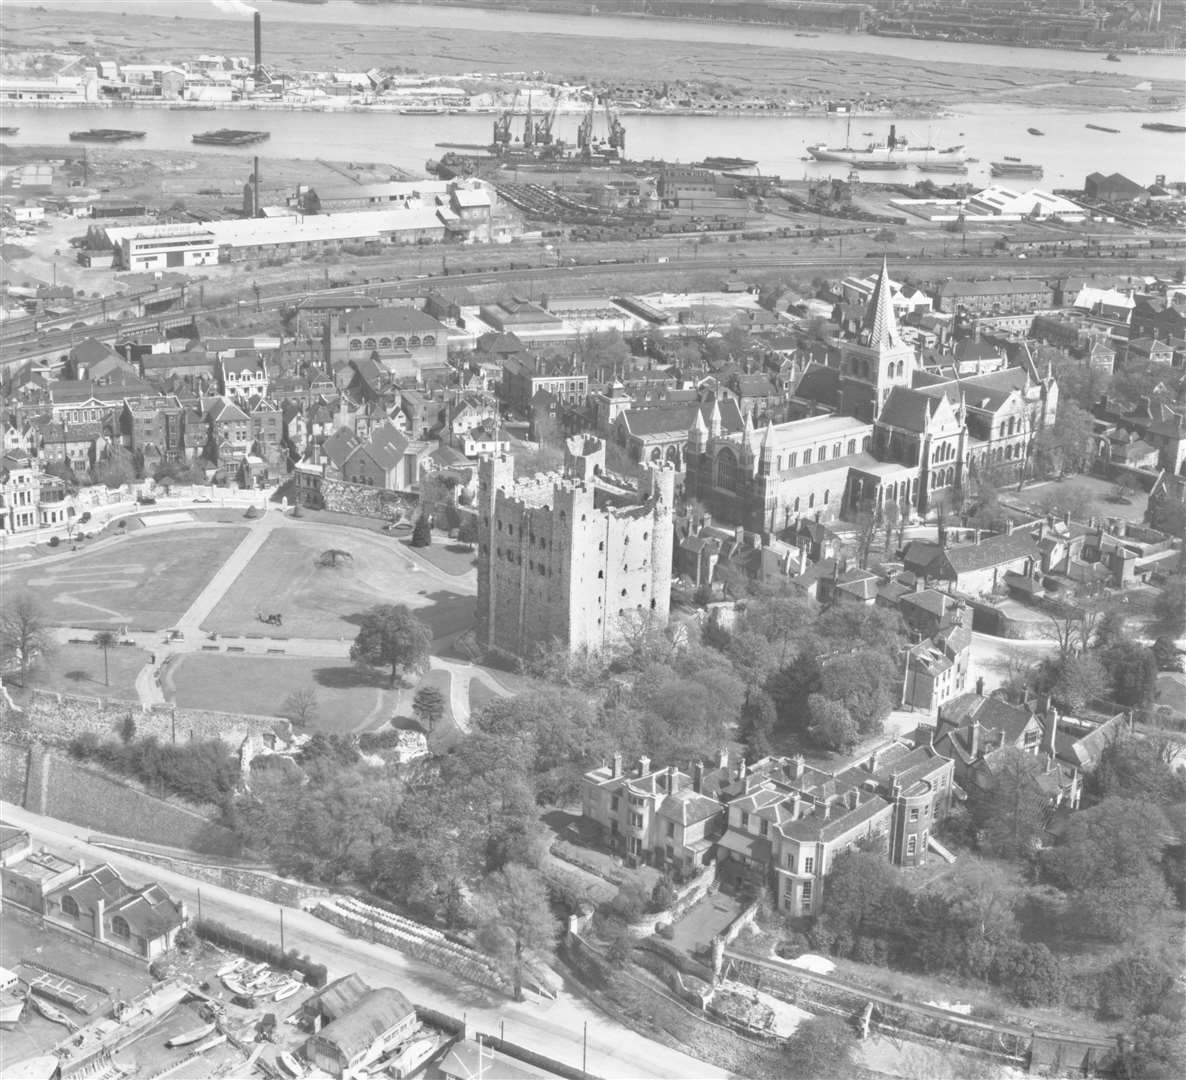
{"x": 227, "y": 937}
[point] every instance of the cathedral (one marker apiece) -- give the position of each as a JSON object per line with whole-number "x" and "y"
{"x": 885, "y": 431}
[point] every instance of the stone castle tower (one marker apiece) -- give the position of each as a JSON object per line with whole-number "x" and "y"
{"x": 571, "y": 557}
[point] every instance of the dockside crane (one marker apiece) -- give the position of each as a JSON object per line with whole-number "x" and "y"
{"x": 585, "y": 130}
{"x": 543, "y": 130}
{"x": 617, "y": 130}
{"x": 502, "y": 126}
{"x": 528, "y": 126}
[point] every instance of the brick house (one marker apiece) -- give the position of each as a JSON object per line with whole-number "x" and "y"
{"x": 402, "y": 338}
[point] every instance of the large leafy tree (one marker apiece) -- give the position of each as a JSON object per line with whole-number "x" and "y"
{"x": 390, "y": 636}
{"x": 830, "y": 724}
{"x": 519, "y": 924}
{"x": 1110, "y": 860}
{"x": 821, "y": 1048}
{"x": 1007, "y": 807}
{"x": 1131, "y": 669}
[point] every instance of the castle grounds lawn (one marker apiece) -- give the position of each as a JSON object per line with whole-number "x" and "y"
{"x": 445, "y": 554}
{"x": 325, "y": 602}
{"x": 479, "y": 693}
{"x": 348, "y": 698}
{"x": 78, "y": 669}
{"x": 145, "y": 583}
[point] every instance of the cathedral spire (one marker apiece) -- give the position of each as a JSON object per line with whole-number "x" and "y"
{"x": 880, "y": 321}
{"x": 714, "y": 420}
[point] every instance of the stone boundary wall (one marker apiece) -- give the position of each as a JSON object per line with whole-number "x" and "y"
{"x": 247, "y": 880}
{"x": 343, "y": 497}
{"x": 14, "y": 771}
{"x": 89, "y": 798}
{"x": 53, "y": 717}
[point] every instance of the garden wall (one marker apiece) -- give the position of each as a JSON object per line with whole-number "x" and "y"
{"x": 14, "y": 771}
{"x": 61, "y": 717}
{"x": 83, "y": 797}
{"x": 251, "y": 880}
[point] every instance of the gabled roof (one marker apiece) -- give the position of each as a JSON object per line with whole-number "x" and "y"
{"x": 992, "y": 551}
{"x": 398, "y": 319}
{"x": 907, "y": 409}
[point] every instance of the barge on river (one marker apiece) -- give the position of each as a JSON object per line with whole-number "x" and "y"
{"x": 105, "y": 135}
{"x": 231, "y": 137}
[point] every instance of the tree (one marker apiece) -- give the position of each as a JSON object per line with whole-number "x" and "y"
{"x": 1008, "y": 809}
{"x": 390, "y": 635}
{"x": 1110, "y": 859}
{"x": 106, "y": 640}
{"x": 1031, "y": 972}
{"x": 1135, "y": 768}
{"x": 26, "y": 637}
{"x": 1134, "y": 985}
{"x": 830, "y": 724}
{"x": 1067, "y": 445}
{"x": 519, "y": 922}
{"x": 1156, "y": 1050}
{"x": 821, "y": 1049}
{"x": 334, "y": 557}
{"x": 301, "y": 707}
{"x": 428, "y": 706}
{"x": 421, "y": 532}
{"x": 1131, "y": 669}
{"x": 1169, "y": 607}
{"x": 864, "y": 682}
{"x": 1072, "y": 682}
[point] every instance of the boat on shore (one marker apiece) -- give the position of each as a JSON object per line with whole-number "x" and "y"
{"x": 111, "y": 135}
{"x": 210, "y": 1043}
{"x": 230, "y": 137}
{"x": 288, "y": 1063}
{"x": 1100, "y": 127}
{"x": 1035, "y": 131}
{"x": 287, "y": 990}
{"x": 230, "y": 967}
{"x": 1160, "y": 125}
{"x": 10, "y": 1012}
{"x": 1113, "y": 57}
{"x": 186, "y": 1038}
{"x": 51, "y": 1012}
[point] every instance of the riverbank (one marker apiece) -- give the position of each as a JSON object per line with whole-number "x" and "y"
{"x": 732, "y": 70}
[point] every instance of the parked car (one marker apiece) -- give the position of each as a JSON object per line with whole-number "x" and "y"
{"x": 203, "y": 499}
{"x": 146, "y": 500}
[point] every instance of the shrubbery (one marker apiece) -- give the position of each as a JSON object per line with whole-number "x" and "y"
{"x": 227, "y": 937}
{"x": 203, "y": 771}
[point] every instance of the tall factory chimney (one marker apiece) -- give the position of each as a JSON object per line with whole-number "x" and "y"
{"x": 259, "y": 48}
{"x": 255, "y": 187}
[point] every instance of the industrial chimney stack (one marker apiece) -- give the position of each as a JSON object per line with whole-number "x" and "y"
{"x": 259, "y": 49}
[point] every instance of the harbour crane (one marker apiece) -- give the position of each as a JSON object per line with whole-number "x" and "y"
{"x": 543, "y": 130}
{"x": 502, "y": 126}
{"x": 528, "y": 126}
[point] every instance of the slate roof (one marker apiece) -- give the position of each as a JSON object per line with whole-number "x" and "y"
{"x": 992, "y": 551}
{"x": 338, "y": 998}
{"x": 149, "y": 912}
{"x": 398, "y": 319}
{"x": 687, "y": 807}
{"x": 907, "y": 409}
{"x": 819, "y": 383}
{"x": 371, "y": 1016}
{"x": 101, "y": 883}
{"x": 662, "y": 419}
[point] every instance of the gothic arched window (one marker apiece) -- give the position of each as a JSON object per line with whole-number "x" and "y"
{"x": 726, "y": 470}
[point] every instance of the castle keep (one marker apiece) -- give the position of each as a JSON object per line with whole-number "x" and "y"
{"x": 572, "y": 557}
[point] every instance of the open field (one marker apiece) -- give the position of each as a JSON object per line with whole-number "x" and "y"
{"x": 146, "y": 582}
{"x": 322, "y": 602}
{"x": 78, "y": 669}
{"x": 348, "y": 698}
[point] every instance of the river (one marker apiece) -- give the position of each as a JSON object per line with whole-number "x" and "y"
{"x": 1068, "y": 151}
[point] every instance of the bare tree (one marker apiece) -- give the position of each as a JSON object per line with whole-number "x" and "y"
{"x": 106, "y": 639}
{"x": 301, "y": 706}
{"x": 25, "y": 635}
{"x": 333, "y": 557}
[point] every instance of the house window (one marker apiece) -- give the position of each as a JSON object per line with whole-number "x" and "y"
{"x": 614, "y": 803}
{"x": 744, "y": 820}
{"x": 636, "y": 821}
{"x": 911, "y": 845}
{"x": 671, "y": 828}
{"x": 791, "y": 862}
{"x": 809, "y": 864}
{"x": 764, "y": 827}
{"x": 914, "y": 814}
{"x": 120, "y": 928}
{"x": 806, "y": 457}
{"x": 69, "y": 907}
{"x": 806, "y": 894}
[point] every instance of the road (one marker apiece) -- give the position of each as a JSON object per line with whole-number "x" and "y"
{"x": 554, "y": 1028}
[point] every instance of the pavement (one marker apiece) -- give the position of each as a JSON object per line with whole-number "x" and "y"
{"x": 552, "y": 1027}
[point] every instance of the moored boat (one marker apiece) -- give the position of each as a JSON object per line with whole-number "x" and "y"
{"x": 1011, "y": 167}
{"x": 723, "y": 163}
{"x": 231, "y": 967}
{"x": 105, "y": 135}
{"x": 895, "y": 148}
{"x": 230, "y": 137}
{"x": 188, "y": 1037}
{"x": 1035, "y": 131}
{"x": 210, "y": 1043}
{"x": 7, "y": 130}
{"x": 1100, "y": 127}
{"x": 1159, "y": 125}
